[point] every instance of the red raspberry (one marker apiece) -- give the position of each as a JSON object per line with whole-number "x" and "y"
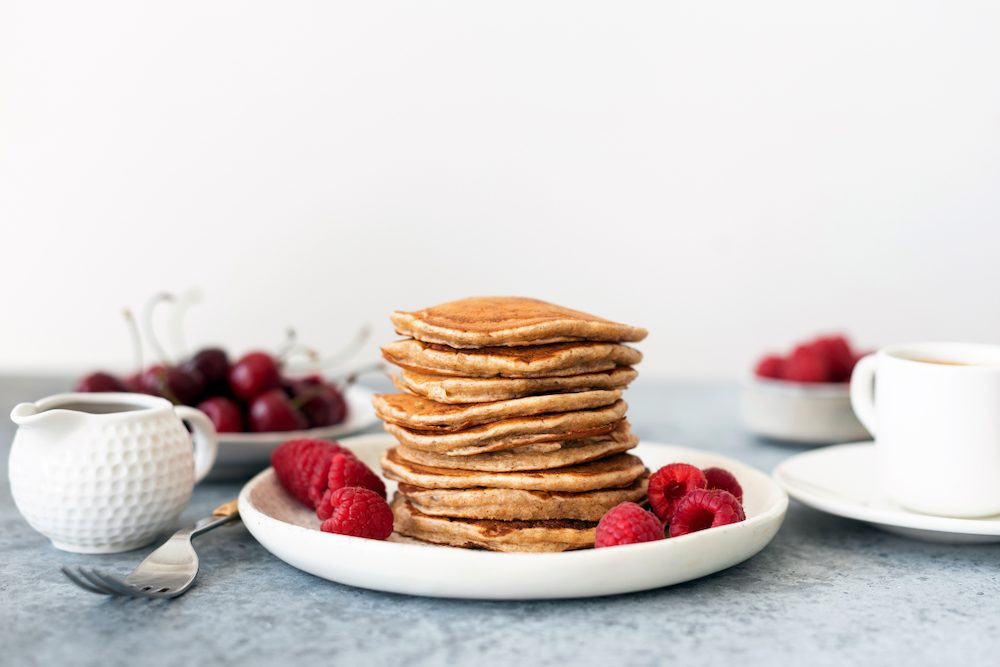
{"x": 627, "y": 524}
{"x": 345, "y": 470}
{"x": 669, "y": 484}
{"x": 302, "y": 467}
{"x": 719, "y": 478}
{"x": 807, "y": 364}
{"x": 359, "y": 512}
{"x": 772, "y": 366}
{"x": 705, "y": 508}
{"x": 837, "y": 353}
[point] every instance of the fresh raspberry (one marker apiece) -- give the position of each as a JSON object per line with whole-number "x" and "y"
{"x": 837, "y": 353}
{"x": 705, "y": 508}
{"x": 359, "y": 512}
{"x": 627, "y": 524}
{"x": 807, "y": 364}
{"x": 669, "y": 484}
{"x": 719, "y": 478}
{"x": 772, "y": 366}
{"x": 345, "y": 470}
{"x": 303, "y": 465}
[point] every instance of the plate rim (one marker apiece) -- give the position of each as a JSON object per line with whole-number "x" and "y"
{"x": 844, "y": 507}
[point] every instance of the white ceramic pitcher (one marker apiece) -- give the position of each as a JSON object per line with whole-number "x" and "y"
{"x": 106, "y": 472}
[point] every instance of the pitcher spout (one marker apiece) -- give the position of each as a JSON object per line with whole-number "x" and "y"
{"x": 24, "y": 414}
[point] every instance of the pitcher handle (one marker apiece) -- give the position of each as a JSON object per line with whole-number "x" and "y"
{"x": 206, "y": 443}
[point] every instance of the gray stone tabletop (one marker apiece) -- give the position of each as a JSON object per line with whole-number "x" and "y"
{"x": 827, "y": 591}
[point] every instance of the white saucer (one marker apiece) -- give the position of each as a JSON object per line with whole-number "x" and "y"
{"x": 842, "y": 480}
{"x": 290, "y": 531}
{"x": 243, "y": 454}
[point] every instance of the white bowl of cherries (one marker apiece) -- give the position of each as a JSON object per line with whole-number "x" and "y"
{"x": 255, "y": 402}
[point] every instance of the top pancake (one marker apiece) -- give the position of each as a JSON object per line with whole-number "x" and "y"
{"x": 508, "y": 320}
{"x": 553, "y": 360}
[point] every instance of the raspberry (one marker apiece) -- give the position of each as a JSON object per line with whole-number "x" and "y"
{"x": 705, "y": 508}
{"x": 837, "y": 353}
{"x": 669, "y": 484}
{"x": 302, "y": 467}
{"x": 345, "y": 470}
{"x": 771, "y": 366}
{"x": 807, "y": 364}
{"x": 627, "y": 524}
{"x": 359, "y": 512}
{"x": 719, "y": 478}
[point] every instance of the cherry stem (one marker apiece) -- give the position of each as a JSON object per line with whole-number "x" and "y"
{"x": 291, "y": 336}
{"x": 349, "y": 350}
{"x": 147, "y": 321}
{"x": 181, "y": 306}
{"x": 291, "y": 351}
{"x": 352, "y": 376}
{"x": 133, "y": 332}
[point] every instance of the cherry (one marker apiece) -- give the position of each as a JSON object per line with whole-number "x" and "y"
{"x": 173, "y": 383}
{"x": 273, "y": 411}
{"x": 224, "y": 413}
{"x": 100, "y": 381}
{"x": 254, "y": 374}
{"x": 213, "y": 365}
{"x": 321, "y": 403}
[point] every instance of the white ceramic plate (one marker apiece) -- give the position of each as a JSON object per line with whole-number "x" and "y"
{"x": 291, "y": 532}
{"x": 243, "y": 454}
{"x": 842, "y": 480}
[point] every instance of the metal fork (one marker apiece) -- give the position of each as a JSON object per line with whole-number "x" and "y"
{"x": 166, "y": 573}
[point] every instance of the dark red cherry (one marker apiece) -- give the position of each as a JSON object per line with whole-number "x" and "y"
{"x": 254, "y": 374}
{"x": 213, "y": 365}
{"x": 226, "y": 416}
{"x": 175, "y": 384}
{"x": 321, "y": 403}
{"x": 100, "y": 381}
{"x": 273, "y": 411}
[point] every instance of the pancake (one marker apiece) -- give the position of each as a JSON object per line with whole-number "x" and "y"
{"x": 508, "y": 320}
{"x": 612, "y": 472}
{"x": 520, "y": 504}
{"x": 456, "y": 390}
{"x": 553, "y": 360}
{"x": 532, "y": 536}
{"x": 515, "y": 432}
{"x": 423, "y": 414}
{"x": 541, "y": 456}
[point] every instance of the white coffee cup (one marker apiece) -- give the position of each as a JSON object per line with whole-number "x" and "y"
{"x": 934, "y": 409}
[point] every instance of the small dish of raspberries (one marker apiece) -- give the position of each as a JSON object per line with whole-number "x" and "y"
{"x": 682, "y": 499}
{"x": 803, "y": 395}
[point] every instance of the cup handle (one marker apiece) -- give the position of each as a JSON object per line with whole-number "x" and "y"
{"x": 206, "y": 443}
{"x": 863, "y": 392}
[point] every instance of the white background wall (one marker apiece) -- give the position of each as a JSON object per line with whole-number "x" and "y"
{"x": 732, "y": 175}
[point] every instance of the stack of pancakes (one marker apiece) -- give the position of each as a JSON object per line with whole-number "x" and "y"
{"x": 511, "y": 428}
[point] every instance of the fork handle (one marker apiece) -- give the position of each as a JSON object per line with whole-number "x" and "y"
{"x": 220, "y": 515}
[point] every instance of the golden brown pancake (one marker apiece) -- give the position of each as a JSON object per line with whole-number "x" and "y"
{"x": 424, "y": 414}
{"x": 532, "y": 536}
{"x": 540, "y": 456}
{"x": 612, "y": 472}
{"x": 518, "y": 504}
{"x": 515, "y": 432}
{"x": 554, "y": 360}
{"x": 457, "y": 390}
{"x": 508, "y": 320}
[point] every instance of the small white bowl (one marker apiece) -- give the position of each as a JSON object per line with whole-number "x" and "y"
{"x": 799, "y": 412}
